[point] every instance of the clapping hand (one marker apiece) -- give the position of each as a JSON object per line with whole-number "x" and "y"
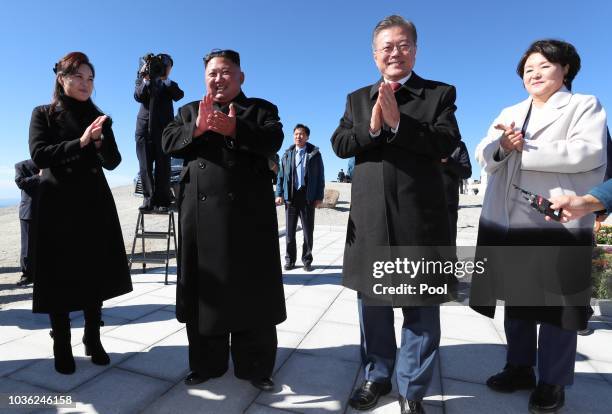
{"x": 224, "y": 124}
{"x": 93, "y": 132}
{"x": 511, "y": 140}
{"x": 205, "y": 110}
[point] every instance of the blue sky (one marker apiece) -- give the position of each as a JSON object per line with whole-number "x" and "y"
{"x": 303, "y": 56}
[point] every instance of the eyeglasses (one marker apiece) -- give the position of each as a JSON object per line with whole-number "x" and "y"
{"x": 403, "y": 48}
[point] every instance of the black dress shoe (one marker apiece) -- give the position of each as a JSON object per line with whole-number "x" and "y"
{"x": 264, "y": 384}
{"x": 513, "y": 378}
{"x": 194, "y": 379}
{"x": 546, "y": 398}
{"x": 410, "y": 406}
{"x": 145, "y": 207}
{"x": 366, "y": 396}
{"x": 308, "y": 267}
{"x": 24, "y": 281}
{"x": 289, "y": 266}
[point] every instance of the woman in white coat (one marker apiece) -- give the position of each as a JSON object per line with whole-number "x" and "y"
{"x": 552, "y": 143}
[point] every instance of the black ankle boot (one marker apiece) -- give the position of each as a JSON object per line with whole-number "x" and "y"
{"x": 91, "y": 338}
{"x": 62, "y": 349}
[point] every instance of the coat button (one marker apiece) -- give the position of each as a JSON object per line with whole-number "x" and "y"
{"x": 202, "y": 165}
{"x": 231, "y": 196}
{"x": 231, "y": 163}
{"x": 202, "y": 197}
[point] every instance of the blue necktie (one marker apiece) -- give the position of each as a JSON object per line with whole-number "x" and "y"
{"x": 300, "y": 170}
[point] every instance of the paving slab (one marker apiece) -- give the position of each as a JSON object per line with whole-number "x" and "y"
{"x": 469, "y": 361}
{"x": 343, "y": 311}
{"x": 469, "y": 328}
{"x": 42, "y": 372}
{"x": 137, "y": 307}
{"x": 166, "y": 359}
{"x": 597, "y": 346}
{"x": 227, "y": 395}
{"x": 333, "y": 339}
{"x": 462, "y": 397}
{"x": 312, "y": 384}
{"x": 12, "y": 387}
{"x": 118, "y": 391}
{"x": 301, "y": 318}
{"x": 140, "y": 330}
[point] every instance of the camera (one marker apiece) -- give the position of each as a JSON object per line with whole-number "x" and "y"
{"x": 155, "y": 66}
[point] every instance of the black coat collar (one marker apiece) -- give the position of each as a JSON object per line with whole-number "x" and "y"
{"x": 414, "y": 85}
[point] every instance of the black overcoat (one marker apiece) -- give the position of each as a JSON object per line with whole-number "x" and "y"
{"x": 229, "y": 260}
{"x": 397, "y": 194}
{"x": 78, "y": 255}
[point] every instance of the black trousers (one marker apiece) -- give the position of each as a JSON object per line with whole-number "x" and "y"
{"x": 253, "y": 352}
{"x": 453, "y": 216}
{"x": 299, "y": 207}
{"x": 24, "y": 260}
{"x": 155, "y": 179}
{"x": 554, "y": 349}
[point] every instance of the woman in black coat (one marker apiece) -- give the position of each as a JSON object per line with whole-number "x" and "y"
{"x": 78, "y": 252}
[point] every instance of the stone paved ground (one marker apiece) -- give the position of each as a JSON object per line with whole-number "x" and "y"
{"x": 317, "y": 363}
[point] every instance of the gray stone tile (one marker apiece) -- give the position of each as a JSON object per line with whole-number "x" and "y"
{"x": 469, "y": 328}
{"x": 465, "y": 397}
{"x": 390, "y": 405}
{"x": 342, "y": 311}
{"x": 468, "y": 361}
{"x": 149, "y": 329}
{"x": 315, "y": 296}
{"x": 167, "y": 359}
{"x": 42, "y": 372}
{"x": 264, "y": 409}
{"x": 287, "y": 343}
{"x": 139, "y": 290}
{"x": 603, "y": 368}
{"x": 119, "y": 391}
{"x": 137, "y": 307}
{"x": 11, "y": 333}
{"x": 166, "y": 291}
{"x": 332, "y": 339}
{"x": 312, "y": 384}
{"x": 291, "y": 289}
{"x": 588, "y": 396}
{"x": 227, "y": 395}
{"x": 21, "y": 353}
{"x": 596, "y": 346}
{"x": 300, "y": 318}
{"x": 332, "y": 283}
{"x": 348, "y": 295}
{"x": 12, "y": 387}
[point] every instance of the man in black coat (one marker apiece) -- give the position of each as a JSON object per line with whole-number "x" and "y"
{"x": 27, "y": 177}
{"x": 230, "y": 280}
{"x": 300, "y": 186}
{"x": 156, "y": 111}
{"x": 398, "y": 129}
{"x": 455, "y": 168}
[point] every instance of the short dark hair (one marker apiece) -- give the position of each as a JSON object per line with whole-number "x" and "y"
{"x": 395, "y": 21}
{"x": 224, "y": 53}
{"x": 555, "y": 51}
{"x": 304, "y": 127}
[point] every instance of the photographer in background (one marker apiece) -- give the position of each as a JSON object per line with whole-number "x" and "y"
{"x": 155, "y": 92}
